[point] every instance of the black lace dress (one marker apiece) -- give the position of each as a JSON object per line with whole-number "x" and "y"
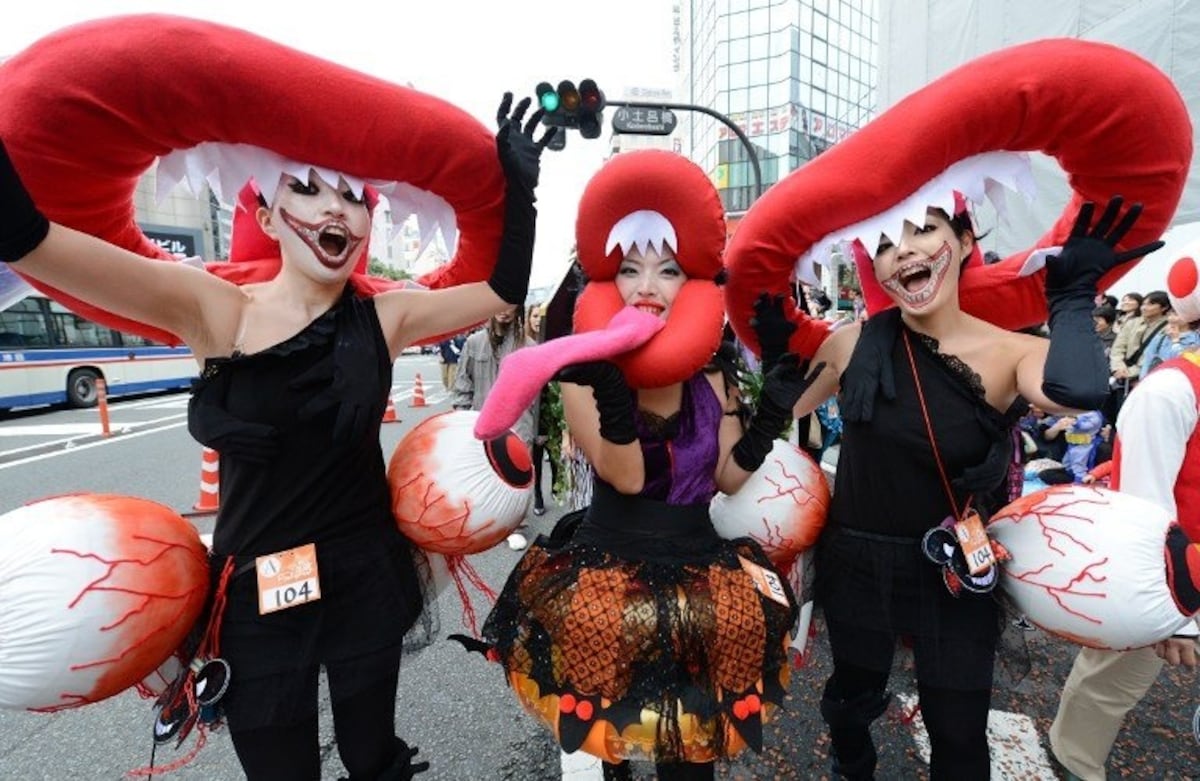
{"x": 286, "y": 480}
{"x": 870, "y": 572}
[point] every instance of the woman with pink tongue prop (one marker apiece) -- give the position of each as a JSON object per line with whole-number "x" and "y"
{"x": 931, "y": 385}
{"x": 609, "y": 629}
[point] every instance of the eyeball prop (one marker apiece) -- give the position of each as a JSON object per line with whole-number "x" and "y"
{"x": 782, "y": 506}
{"x": 453, "y": 494}
{"x": 96, "y": 593}
{"x": 1090, "y": 565}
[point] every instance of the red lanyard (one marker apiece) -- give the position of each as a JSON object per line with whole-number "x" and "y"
{"x": 937, "y": 456}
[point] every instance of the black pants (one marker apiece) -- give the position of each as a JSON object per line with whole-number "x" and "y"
{"x": 364, "y": 725}
{"x": 955, "y": 720}
{"x": 538, "y": 454}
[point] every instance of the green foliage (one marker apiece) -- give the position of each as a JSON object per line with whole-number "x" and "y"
{"x": 551, "y": 424}
{"x": 377, "y": 268}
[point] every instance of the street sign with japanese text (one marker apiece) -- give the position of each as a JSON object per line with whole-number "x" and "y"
{"x": 644, "y": 121}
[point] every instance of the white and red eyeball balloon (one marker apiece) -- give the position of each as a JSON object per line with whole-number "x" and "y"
{"x": 1088, "y": 565}
{"x": 454, "y": 494}
{"x": 1183, "y": 284}
{"x": 782, "y": 505}
{"x": 96, "y": 592}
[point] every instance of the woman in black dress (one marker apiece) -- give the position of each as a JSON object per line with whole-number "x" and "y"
{"x": 929, "y": 396}
{"x": 295, "y": 376}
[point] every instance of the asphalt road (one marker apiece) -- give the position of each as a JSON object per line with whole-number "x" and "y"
{"x": 455, "y": 706}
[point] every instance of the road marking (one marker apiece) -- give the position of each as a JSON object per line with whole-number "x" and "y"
{"x": 581, "y": 766}
{"x": 1016, "y": 747}
{"x": 87, "y": 446}
{"x": 50, "y": 430}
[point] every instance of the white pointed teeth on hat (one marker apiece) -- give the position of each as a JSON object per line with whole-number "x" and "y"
{"x": 984, "y": 176}
{"x": 1183, "y": 285}
{"x": 643, "y": 230}
{"x": 225, "y": 169}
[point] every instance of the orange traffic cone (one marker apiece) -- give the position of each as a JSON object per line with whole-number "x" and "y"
{"x": 418, "y": 399}
{"x": 389, "y": 413}
{"x": 210, "y": 483}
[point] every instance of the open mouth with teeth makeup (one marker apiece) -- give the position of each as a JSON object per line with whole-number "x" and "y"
{"x": 330, "y": 240}
{"x": 916, "y": 282}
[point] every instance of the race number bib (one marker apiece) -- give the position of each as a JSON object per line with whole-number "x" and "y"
{"x": 287, "y": 579}
{"x": 974, "y": 543}
{"x": 767, "y": 582}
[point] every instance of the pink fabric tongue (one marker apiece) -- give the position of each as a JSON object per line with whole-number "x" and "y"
{"x": 524, "y": 372}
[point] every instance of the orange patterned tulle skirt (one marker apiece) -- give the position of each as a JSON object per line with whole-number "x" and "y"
{"x": 672, "y": 654}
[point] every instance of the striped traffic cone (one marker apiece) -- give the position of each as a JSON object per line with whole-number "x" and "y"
{"x": 389, "y": 413}
{"x": 210, "y": 482}
{"x": 418, "y": 399}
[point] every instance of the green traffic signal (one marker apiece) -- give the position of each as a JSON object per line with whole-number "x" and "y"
{"x": 550, "y": 101}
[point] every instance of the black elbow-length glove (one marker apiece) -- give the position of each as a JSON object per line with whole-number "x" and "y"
{"x": 1076, "y": 371}
{"x": 520, "y": 157}
{"x": 782, "y": 387}
{"x": 22, "y": 226}
{"x": 614, "y": 399}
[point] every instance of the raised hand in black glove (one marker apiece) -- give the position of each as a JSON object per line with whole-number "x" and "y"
{"x": 782, "y": 387}
{"x": 1090, "y": 251}
{"x": 345, "y": 378}
{"x": 614, "y": 399}
{"x": 1076, "y": 371}
{"x": 772, "y": 327}
{"x": 520, "y": 157}
{"x": 22, "y": 226}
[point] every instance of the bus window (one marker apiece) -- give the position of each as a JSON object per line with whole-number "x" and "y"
{"x": 24, "y": 325}
{"x": 79, "y": 332}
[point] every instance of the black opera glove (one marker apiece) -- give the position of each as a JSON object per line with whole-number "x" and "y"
{"x": 22, "y": 226}
{"x": 782, "y": 387}
{"x": 1076, "y": 370}
{"x": 520, "y": 158}
{"x": 1090, "y": 251}
{"x": 213, "y": 426}
{"x": 614, "y": 399}
{"x": 772, "y": 327}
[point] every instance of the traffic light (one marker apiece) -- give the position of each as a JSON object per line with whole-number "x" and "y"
{"x": 570, "y": 107}
{"x": 591, "y": 108}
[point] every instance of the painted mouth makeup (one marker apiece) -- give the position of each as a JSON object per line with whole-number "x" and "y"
{"x": 330, "y": 240}
{"x": 652, "y": 307}
{"x": 917, "y": 282}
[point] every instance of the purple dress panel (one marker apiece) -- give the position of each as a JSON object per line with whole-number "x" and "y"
{"x": 681, "y": 452}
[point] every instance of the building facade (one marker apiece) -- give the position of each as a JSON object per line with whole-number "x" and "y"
{"x": 794, "y": 76}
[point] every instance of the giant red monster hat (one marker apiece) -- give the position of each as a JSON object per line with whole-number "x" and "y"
{"x": 86, "y": 111}
{"x": 646, "y": 198}
{"x": 1113, "y": 121}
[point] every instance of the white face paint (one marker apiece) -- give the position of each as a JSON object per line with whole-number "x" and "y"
{"x": 316, "y": 221}
{"x": 650, "y": 281}
{"x": 917, "y": 270}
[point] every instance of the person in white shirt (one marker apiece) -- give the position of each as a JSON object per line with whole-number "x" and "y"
{"x": 1156, "y": 459}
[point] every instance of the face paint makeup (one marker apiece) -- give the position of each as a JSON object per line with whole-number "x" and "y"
{"x": 916, "y": 282}
{"x": 331, "y": 240}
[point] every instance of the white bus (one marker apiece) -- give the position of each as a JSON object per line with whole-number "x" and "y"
{"x": 50, "y": 355}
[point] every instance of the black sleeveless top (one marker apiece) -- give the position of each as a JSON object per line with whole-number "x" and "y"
{"x": 887, "y": 478}
{"x": 310, "y": 486}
